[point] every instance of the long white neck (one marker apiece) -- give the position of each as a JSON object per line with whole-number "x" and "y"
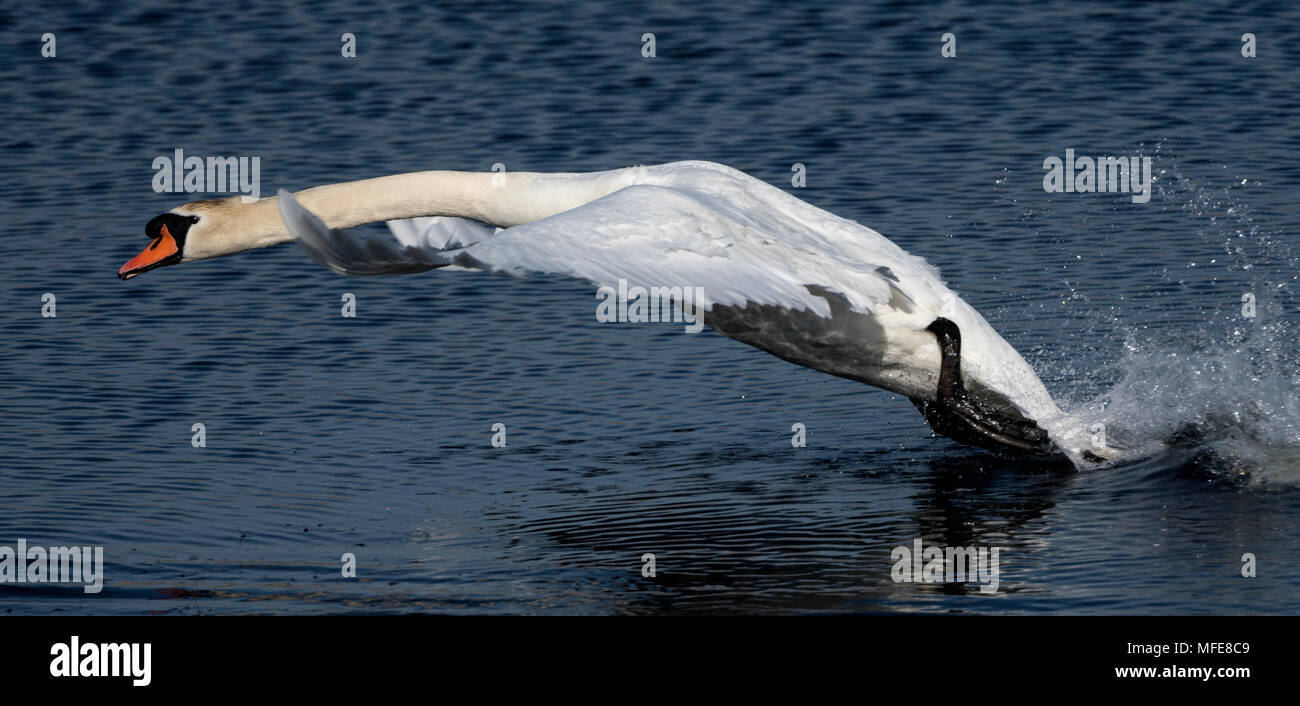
{"x": 500, "y": 199}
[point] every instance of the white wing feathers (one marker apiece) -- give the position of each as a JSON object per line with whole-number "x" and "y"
{"x": 439, "y": 232}
{"x": 687, "y": 224}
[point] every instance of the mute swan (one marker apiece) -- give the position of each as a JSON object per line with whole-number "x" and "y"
{"x": 779, "y": 274}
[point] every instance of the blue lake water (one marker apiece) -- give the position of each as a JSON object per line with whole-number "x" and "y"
{"x": 371, "y": 435}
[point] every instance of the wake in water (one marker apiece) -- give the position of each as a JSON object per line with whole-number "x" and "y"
{"x": 1217, "y": 385}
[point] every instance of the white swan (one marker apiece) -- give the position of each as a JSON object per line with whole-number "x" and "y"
{"x": 779, "y": 274}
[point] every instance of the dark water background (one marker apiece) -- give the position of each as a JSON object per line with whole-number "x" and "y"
{"x": 370, "y": 435}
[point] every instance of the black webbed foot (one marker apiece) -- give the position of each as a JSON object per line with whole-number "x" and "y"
{"x": 956, "y": 414}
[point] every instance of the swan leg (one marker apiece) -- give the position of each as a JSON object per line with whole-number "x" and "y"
{"x": 958, "y": 415}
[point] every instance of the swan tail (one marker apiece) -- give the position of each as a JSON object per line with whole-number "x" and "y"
{"x": 420, "y": 244}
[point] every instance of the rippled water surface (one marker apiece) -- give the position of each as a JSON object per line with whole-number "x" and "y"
{"x": 370, "y": 435}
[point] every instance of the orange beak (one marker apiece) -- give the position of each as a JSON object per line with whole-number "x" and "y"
{"x": 159, "y": 253}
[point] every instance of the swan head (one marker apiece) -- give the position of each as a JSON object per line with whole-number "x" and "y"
{"x": 204, "y": 229}
{"x": 168, "y": 233}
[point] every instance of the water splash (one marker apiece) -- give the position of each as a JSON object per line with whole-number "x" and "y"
{"x": 1221, "y": 393}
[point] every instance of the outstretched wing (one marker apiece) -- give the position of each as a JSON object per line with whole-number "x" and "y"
{"x": 647, "y": 235}
{"x": 743, "y": 243}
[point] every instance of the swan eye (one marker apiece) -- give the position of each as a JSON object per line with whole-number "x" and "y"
{"x": 194, "y": 219}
